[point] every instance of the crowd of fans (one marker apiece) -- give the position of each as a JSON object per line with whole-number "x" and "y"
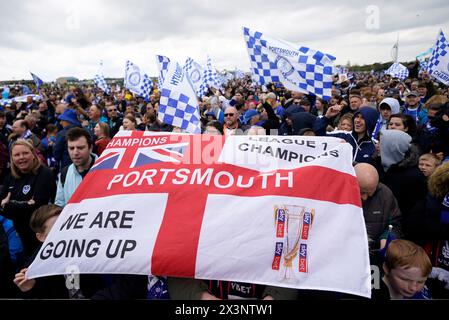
{"x": 399, "y": 131}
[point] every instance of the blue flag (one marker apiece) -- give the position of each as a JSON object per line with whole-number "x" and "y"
{"x": 101, "y": 83}
{"x": 298, "y": 68}
{"x": 162, "y": 64}
{"x": 38, "y": 81}
{"x": 137, "y": 81}
{"x": 439, "y": 60}
{"x": 26, "y": 90}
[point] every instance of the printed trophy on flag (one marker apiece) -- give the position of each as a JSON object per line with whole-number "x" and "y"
{"x": 293, "y": 224}
{"x": 293, "y": 219}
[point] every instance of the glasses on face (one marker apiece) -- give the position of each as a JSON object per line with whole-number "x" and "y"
{"x": 112, "y": 110}
{"x": 229, "y": 114}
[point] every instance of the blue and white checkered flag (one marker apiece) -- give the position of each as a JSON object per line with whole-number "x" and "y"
{"x": 397, "y": 70}
{"x": 179, "y": 105}
{"x": 38, "y": 81}
{"x": 146, "y": 87}
{"x": 101, "y": 83}
{"x": 210, "y": 75}
{"x": 423, "y": 65}
{"x": 195, "y": 72}
{"x": 136, "y": 81}
{"x": 438, "y": 65}
{"x": 297, "y": 68}
{"x": 162, "y": 64}
{"x": 342, "y": 70}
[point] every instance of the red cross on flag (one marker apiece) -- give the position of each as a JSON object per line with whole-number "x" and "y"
{"x": 281, "y": 211}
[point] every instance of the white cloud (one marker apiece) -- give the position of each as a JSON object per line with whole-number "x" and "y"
{"x": 54, "y": 38}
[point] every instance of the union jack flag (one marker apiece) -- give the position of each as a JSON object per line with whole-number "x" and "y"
{"x": 165, "y": 153}
{"x": 111, "y": 158}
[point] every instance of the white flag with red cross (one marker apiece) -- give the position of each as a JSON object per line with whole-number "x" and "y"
{"x": 280, "y": 211}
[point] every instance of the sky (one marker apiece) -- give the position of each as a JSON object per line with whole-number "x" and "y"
{"x": 54, "y": 38}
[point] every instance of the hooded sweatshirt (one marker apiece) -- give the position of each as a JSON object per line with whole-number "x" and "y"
{"x": 382, "y": 123}
{"x": 364, "y": 148}
{"x": 394, "y": 145}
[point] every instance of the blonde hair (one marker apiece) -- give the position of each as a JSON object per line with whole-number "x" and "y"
{"x": 439, "y": 181}
{"x": 430, "y": 156}
{"x": 436, "y": 99}
{"x": 104, "y": 129}
{"x": 15, "y": 171}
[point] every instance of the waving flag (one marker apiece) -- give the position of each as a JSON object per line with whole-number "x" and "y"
{"x": 179, "y": 104}
{"x": 101, "y": 83}
{"x": 136, "y": 81}
{"x": 438, "y": 65}
{"x": 38, "y": 81}
{"x": 252, "y": 210}
{"x": 397, "y": 70}
{"x": 210, "y": 75}
{"x": 298, "y": 68}
{"x": 423, "y": 59}
{"x": 425, "y": 55}
{"x": 162, "y": 64}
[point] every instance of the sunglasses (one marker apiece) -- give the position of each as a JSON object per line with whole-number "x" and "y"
{"x": 229, "y": 114}
{"x": 111, "y": 110}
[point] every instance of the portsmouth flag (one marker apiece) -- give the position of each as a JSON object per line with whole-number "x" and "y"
{"x": 235, "y": 209}
{"x": 438, "y": 65}
{"x": 298, "y": 68}
{"x": 179, "y": 105}
{"x": 210, "y": 75}
{"x": 397, "y": 70}
{"x": 162, "y": 64}
{"x": 101, "y": 83}
{"x": 195, "y": 72}
{"x": 136, "y": 81}
{"x": 38, "y": 81}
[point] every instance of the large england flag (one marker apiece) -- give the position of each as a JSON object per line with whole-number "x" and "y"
{"x": 258, "y": 209}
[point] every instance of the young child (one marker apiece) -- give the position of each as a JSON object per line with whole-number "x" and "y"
{"x": 91, "y": 286}
{"x": 406, "y": 269}
{"x": 428, "y": 162}
{"x": 41, "y": 222}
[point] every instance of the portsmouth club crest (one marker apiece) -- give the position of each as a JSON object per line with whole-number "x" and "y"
{"x": 134, "y": 76}
{"x": 26, "y": 188}
{"x": 195, "y": 75}
{"x": 292, "y": 229}
{"x": 284, "y": 66}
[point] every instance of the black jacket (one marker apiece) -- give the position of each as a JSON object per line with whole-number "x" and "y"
{"x": 407, "y": 182}
{"x": 41, "y": 188}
